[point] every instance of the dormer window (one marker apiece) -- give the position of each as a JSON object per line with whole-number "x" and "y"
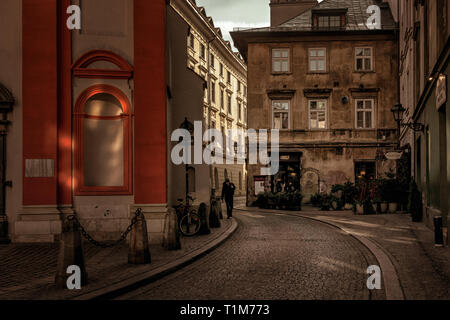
{"x": 329, "y": 19}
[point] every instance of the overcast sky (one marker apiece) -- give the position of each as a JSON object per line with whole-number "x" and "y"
{"x": 229, "y": 14}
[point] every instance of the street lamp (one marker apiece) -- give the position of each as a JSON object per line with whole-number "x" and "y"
{"x": 6, "y": 106}
{"x": 186, "y": 125}
{"x": 398, "y": 111}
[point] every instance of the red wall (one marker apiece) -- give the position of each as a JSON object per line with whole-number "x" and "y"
{"x": 40, "y": 56}
{"x": 150, "y": 102}
{"x": 65, "y": 108}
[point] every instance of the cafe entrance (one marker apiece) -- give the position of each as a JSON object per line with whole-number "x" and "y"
{"x": 288, "y": 177}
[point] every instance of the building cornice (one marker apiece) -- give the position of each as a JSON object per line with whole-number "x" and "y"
{"x": 193, "y": 16}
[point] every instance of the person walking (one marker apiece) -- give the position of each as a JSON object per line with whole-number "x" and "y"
{"x": 228, "y": 194}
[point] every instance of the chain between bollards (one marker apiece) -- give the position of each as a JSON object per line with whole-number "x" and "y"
{"x": 103, "y": 244}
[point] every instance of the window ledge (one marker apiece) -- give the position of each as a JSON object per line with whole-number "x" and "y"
{"x": 281, "y": 73}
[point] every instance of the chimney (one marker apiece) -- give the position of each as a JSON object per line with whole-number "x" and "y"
{"x": 284, "y": 10}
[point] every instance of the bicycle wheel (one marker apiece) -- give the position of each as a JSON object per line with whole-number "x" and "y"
{"x": 190, "y": 224}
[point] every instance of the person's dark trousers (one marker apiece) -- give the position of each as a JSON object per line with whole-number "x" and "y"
{"x": 229, "y": 203}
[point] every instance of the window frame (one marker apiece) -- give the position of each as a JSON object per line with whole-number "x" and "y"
{"x": 326, "y": 114}
{"x": 372, "y": 67}
{"x": 202, "y": 52}
{"x": 79, "y": 115}
{"x": 288, "y": 113}
{"x": 372, "y": 100}
{"x": 288, "y": 59}
{"x": 213, "y": 92}
{"x": 317, "y": 59}
{"x": 191, "y": 41}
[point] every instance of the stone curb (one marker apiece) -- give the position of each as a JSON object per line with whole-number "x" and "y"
{"x": 135, "y": 282}
{"x": 391, "y": 281}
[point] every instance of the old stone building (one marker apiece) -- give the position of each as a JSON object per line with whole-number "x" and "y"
{"x": 225, "y": 99}
{"x": 424, "y": 69}
{"x": 328, "y": 83}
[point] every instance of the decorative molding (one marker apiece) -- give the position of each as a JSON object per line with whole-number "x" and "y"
{"x": 281, "y": 94}
{"x": 317, "y": 93}
{"x": 80, "y": 67}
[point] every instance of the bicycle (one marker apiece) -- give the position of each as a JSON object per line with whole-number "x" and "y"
{"x": 188, "y": 219}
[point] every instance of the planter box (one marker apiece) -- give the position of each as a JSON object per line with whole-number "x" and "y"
{"x": 359, "y": 209}
{"x": 393, "y": 207}
{"x": 383, "y": 207}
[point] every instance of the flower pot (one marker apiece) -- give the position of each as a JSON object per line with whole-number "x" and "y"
{"x": 393, "y": 207}
{"x": 348, "y": 206}
{"x": 375, "y": 207}
{"x": 334, "y": 205}
{"x": 359, "y": 209}
{"x": 383, "y": 207}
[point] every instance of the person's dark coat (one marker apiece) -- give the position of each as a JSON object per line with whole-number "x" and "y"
{"x": 228, "y": 191}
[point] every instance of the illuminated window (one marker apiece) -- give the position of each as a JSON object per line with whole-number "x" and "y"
{"x": 280, "y": 115}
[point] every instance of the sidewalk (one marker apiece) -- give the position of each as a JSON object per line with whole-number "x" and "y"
{"x": 28, "y": 271}
{"x": 422, "y": 269}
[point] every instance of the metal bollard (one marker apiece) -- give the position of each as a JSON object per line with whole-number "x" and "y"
{"x": 438, "y": 235}
{"x": 70, "y": 253}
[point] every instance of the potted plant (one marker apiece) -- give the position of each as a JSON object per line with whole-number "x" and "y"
{"x": 368, "y": 206}
{"x": 377, "y": 204}
{"x": 391, "y": 194}
{"x": 316, "y": 200}
{"x": 382, "y": 191}
{"x": 295, "y": 201}
{"x": 325, "y": 202}
{"x": 349, "y": 195}
{"x": 358, "y": 207}
{"x": 272, "y": 201}
{"x": 282, "y": 200}
{"x": 415, "y": 207}
{"x": 262, "y": 200}
{"x": 337, "y": 190}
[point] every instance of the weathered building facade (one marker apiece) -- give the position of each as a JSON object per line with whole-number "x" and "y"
{"x": 327, "y": 82}
{"x": 225, "y": 73}
{"x": 88, "y": 127}
{"x": 424, "y": 70}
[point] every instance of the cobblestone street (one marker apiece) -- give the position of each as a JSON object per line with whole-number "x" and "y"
{"x": 273, "y": 257}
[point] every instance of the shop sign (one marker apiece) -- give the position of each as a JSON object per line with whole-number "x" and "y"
{"x": 259, "y": 185}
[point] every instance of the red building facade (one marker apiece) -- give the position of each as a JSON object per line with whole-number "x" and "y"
{"x": 93, "y": 106}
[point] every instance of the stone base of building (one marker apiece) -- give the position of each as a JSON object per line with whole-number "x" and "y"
{"x": 43, "y": 224}
{"x": 38, "y": 224}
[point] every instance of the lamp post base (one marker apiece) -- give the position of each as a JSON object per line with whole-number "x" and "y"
{"x": 4, "y": 239}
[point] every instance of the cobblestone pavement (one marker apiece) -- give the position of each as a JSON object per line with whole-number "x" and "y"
{"x": 28, "y": 270}
{"x": 423, "y": 269}
{"x": 273, "y": 257}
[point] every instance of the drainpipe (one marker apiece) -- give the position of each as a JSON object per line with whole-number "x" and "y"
{"x": 208, "y": 86}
